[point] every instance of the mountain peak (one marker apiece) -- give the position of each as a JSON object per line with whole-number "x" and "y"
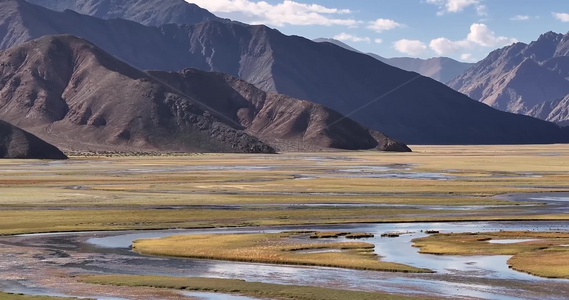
{"x": 516, "y": 78}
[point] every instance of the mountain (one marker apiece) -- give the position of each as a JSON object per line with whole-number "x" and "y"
{"x": 17, "y": 143}
{"x": 442, "y": 69}
{"x": 554, "y": 111}
{"x": 337, "y": 43}
{"x": 70, "y": 92}
{"x": 520, "y": 77}
{"x": 141, "y": 11}
{"x": 282, "y": 120}
{"x": 76, "y": 96}
{"x": 401, "y": 104}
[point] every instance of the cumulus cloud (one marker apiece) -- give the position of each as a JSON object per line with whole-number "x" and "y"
{"x": 520, "y": 18}
{"x": 348, "y": 37}
{"x": 479, "y": 36}
{"x": 411, "y": 47}
{"x": 454, "y": 6}
{"x": 381, "y": 25}
{"x": 563, "y": 17}
{"x": 281, "y": 14}
{"x": 378, "y": 41}
{"x": 482, "y": 35}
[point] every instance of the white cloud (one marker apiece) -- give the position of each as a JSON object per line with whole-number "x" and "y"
{"x": 444, "y": 46}
{"x": 482, "y": 35}
{"x": 411, "y": 47}
{"x": 455, "y": 6}
{"x": 281, "y": 14}
{"x": 563, "y": 17}
{"x": 348, "y": 37}
{"x": 466, "y": 56}
{"x": 380, "y": 25}
{"x": 520, "y": 18}
{"x": 378, "y": 41}
{"x": 479, "y": 36}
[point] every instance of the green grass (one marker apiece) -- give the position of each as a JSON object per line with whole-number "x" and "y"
{"x": 254, "y": 289}
{"x": 546, "y": 256}
{"x": 10, "y": 296}
{"x": 277, "y": 248}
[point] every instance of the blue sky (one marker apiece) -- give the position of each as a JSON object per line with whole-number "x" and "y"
{"x": 465, "y": 30}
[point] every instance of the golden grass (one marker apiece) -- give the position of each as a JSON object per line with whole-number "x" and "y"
{"x": 126, "y": 189}
{"x": 546, "y": 256}
{"x": 276, "y": 248}
{"x": 551, "y": 262}
{"x": 254, "y": 289}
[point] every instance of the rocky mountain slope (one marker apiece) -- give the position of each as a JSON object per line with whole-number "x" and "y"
{"x": 442, "y": 69}
{"x": 68, "y": 91}
{"x": 144, "y": 12}
{"x": 17, "y": 143}
{"x": 76, "y": 96}
{"x": 555, "y": 111}
{"x": 519, "y": 77}
{"x": 401, "y": 104}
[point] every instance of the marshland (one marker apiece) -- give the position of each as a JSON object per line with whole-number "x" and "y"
{"x": 122, "y": 227}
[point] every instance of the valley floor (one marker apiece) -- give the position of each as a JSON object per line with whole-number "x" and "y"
{"x": 478, "y": 184}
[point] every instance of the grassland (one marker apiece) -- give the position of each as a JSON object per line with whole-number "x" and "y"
{"x": 214, "y": 190}
{"x": 254, "y": 289}
{"x": 9, "y": 296}
{"x": 278, "y": 248}
{"x": 544, "y": 254}
{"x": 115, "y": 193}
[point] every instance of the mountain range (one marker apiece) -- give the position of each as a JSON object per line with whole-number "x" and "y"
{"x": 531, "y": 79}
{"x": 73, "y": 94}
{"x": 17, "y": 143}
{"x": 401, "y": 104}
{"x": 442, "y": 69}
{"x": 141, "y": 11}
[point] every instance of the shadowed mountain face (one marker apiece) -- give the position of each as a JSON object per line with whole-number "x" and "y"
{"x": 519, "y": 78}
{"x": 399, "y": 103}
{"x": 442, "y": 69}
{"x": 144, "y": 12}
{"x": 70, "y": 92}
{"x": 17, "y": 143}
{"x": 279, "y": 119}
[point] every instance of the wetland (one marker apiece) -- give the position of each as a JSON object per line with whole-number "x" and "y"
{"x": 68, "y": 227}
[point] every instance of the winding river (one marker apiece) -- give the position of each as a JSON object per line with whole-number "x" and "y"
{"x": 485, "y": 277}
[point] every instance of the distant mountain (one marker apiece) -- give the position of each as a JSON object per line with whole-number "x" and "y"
{"x": 442, "y": 69}
{"x": 521, "y": 77}
{"x": 74, "y": 94}
{"x": 401, "y": 104}
{"x": 145, "y": 12}
{"x": 17, "y": 143}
